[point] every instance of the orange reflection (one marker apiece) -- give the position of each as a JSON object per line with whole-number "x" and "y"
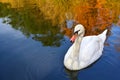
{"x": 95, "y": 15}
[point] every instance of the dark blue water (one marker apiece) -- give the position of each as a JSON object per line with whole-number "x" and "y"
{"x": 24, "y": 58}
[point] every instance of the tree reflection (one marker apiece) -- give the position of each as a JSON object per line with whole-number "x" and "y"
{"x": 44, "y": 16}
{"x": 95, "y": 15}
{"x": 31, "y": 21}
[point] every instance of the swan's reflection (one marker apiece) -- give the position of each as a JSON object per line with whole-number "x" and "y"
{"x": 72, "y": 75}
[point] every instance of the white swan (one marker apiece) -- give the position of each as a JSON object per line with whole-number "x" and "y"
{"x": 85, "y": 50}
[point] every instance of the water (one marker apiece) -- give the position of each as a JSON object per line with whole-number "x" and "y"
{"x": 23, "y": 58}
{"x": 31, "y": 48}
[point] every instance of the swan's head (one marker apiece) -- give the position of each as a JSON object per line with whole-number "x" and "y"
{"x": 79, "y": 30}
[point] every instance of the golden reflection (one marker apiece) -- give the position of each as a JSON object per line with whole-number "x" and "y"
{"x": 14, "y": 3}
{"x": 118, "y": 22}
{"x": 95, "y": 15}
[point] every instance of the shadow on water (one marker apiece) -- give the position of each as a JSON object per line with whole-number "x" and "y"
{"x": 72, "y": 75}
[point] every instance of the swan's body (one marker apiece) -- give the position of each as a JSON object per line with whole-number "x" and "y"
{"x": 85, "y": 50}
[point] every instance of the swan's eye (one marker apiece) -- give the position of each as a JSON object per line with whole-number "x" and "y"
{"x": 76, "y": 32}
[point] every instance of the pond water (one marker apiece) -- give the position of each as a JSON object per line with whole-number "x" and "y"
{"x": 32, "y": 48}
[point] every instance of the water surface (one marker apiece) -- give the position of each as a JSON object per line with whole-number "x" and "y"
{"x": 32, "y": 48}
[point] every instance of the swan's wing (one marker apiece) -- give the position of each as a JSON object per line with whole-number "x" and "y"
{"x": 90, "y": 50}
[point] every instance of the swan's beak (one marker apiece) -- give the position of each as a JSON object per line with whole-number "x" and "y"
{"x": 73, "y": 38}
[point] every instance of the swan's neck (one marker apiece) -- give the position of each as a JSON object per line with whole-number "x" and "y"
{"x": 76, "y": 45}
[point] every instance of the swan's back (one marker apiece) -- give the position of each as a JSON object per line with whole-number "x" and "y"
{"x": 90, "y": 50}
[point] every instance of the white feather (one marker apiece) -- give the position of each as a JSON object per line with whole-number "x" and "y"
{"x": 85, "y": 51}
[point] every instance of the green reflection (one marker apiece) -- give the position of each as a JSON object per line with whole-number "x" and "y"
{"x": 31, "y": 21}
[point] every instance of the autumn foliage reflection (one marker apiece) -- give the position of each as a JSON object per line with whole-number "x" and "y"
{"x": 95, "y": 15}
{"x": 95, "y": 18}
{"x": 31, "y": 16}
